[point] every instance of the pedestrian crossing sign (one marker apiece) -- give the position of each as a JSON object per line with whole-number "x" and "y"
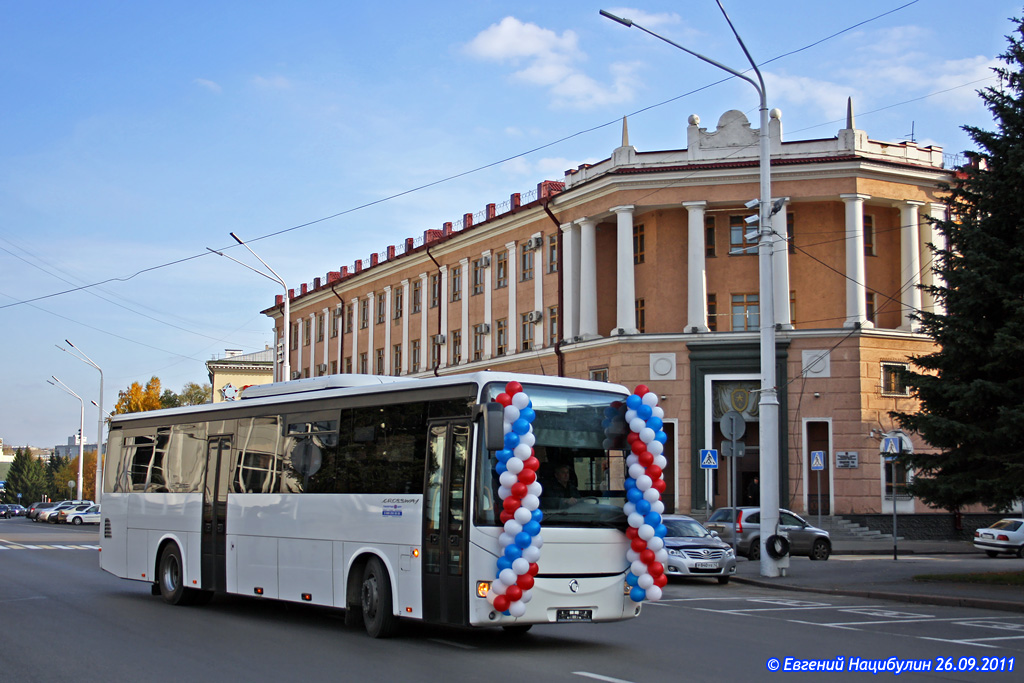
{"x": 709, "y": 459}
{"x": 817, "y": 460}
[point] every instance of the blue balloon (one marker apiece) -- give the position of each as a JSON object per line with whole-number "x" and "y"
{"x": 654, "y": 423}
{"x": 661, "y": 531}
{"x": 652, "y": 518}
{"x": 504, "y": 563}
{"x": 631, "y": 578}
{"x": 660, "y": 436}
{"x": 537, "y": 515}
{"x": 629, "y": 484}
{"x": 532, "y": 528}
{"x": 528, "y": 414}
{"x": 643, "y": 507}
{"x": 504, "y": 455}
{"x": 511, "y": 441}
{"x": 634, "y": 401}
{"x": 513, "y": 552}
{"x": 500, "y": 468}
{"x": 523, "y": 539}
{"x": 637, "y": 594}
{"x": 610, "y": 413}
{"x": 644, "y": 412}
{"x": 634, "y": 495}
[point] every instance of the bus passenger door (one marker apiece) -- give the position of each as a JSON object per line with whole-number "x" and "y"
{"x": 445, "y": 588}
{"x": 215, "y": 509}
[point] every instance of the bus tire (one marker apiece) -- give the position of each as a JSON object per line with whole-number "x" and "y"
{"x": 517, "y": 629}
{"x": 171, "y": 576}
{"x": 376, "y": 601}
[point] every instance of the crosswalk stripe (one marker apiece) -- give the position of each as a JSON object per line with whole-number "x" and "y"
{"x": 49, "y": 547}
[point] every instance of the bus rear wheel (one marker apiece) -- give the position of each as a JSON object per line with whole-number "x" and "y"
{"x": 376, "y": 600}
{"x": 171, "y": 580}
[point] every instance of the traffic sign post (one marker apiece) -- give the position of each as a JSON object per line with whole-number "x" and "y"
{"x": 895, "y": 443}
{"x": 817, "y": 465}
{"x": 733, "y": 426}
{"x": 709, "y": 459}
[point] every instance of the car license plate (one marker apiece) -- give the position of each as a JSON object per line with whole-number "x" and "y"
{"x": 987, "y": 536}
{"x": 574, "y": 615}
{"x": 706, "y": 565}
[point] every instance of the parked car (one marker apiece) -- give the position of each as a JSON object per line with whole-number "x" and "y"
{"x": 12, "y": 510}
{"x": 695, "y": 551}
{"x": 36, "y": 508}
{"x": 44, "y": 514}
{"x": 60, "y": 515}
{"x": 90, "y": 515}
{"x": 1005, "y": 536}
{"x": 804, "y": 539}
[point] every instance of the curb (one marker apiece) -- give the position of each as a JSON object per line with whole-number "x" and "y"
{"x": 920, "y": 599}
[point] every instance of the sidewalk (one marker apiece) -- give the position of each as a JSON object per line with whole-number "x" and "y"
{"x": 867, "y": 569}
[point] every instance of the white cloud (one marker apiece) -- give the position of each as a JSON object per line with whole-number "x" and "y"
{"x": 272, "y": 83}
{"x": 209, "y": 85}
{"x": 544, "y": 58}
{"x": 551, "y": 168}
{"x": 827, "y": 98}
{"x": 646, "y": 19}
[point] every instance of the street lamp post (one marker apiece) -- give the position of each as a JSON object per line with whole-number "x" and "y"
{"x": 81, "y": 430}
{"x": 286, "y": 312}
{"x": 768, "y": 403}
{"x": 99, "y": 422}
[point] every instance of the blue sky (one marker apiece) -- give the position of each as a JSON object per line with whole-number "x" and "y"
{"x": 134, "y": 135}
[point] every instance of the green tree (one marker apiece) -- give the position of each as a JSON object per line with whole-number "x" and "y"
{"x": 971, "y": 389}
{"x": 193, "y": 394}
{"x": 27, "y": 476}
{"x": 169, "y": 399}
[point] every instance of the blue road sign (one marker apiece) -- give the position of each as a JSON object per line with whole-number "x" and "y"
{"x": 817, "y": 460}
{"x": 709, "y": 459}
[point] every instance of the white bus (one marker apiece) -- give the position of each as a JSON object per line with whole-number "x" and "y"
{"x": 372, "y": 494}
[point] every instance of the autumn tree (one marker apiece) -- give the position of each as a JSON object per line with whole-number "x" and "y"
{"x": 136, "y": 399}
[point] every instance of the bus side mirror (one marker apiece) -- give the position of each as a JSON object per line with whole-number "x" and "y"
{"x": 493, "y": 423}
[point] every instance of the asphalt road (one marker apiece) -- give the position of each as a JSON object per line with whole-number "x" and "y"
{"x": 65, "y": 619}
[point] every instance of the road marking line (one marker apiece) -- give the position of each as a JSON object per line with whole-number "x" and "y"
{"x": 599, "y": 677}
{"x": 903, "y": 621}
{"x": 768, "y": 609}
{"x": 958, "y": 642}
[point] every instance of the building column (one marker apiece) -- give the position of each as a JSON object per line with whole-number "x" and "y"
{"x": 513, "y": 308}
{"x": 856, "y": 285}
{"x": 298, "y": 344}
{"x": 588, "y": 278}
{"x": 930, "y": 235}
{"x": 327, "y": 335}
{"x": 625, "y": 300}
{"x": 371, "y": 322}
{"x": 488, "y": 315}
{"x": 538, "y": 295}
{"x": 570, "y": 317}
{"x": 466, "y": 331}
{"x": 424, "y": 308}
{"x": 406, "y": 312}
{"x": 696, "y": 269}
{"x": 442, "y": 303}
{"x": 910, "y": 262}
{"x": 388, "y": 370}
{"x": 312, "y": 344}
{"x": 355, "y": 336}
{"x": 780, "y": 271}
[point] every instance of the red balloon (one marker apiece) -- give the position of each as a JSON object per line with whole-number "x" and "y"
{"x": 654, "y": 472}
{"x": 533, "y": 569}
{"x": 527, "y": 476}
{"x": 632, "y": 532}
{"x": 656, "y": 569}
{"x": 632, "y": 437}
{"x": 525, "y": 581}
{"x": 638, "y": 447}
{"x": 661, "y": 580}
{"x": 519, "y": 489}
{"x": 513, "y": 593}
{"x": 513, "y": 388}
{"x": 504, "y": 399}
{"x": 645, "y": 458}
{"x": 511, "y": 504}
{"x": 616, "y": 404}
{"x": 501, "y": 603}
{"x": 646, "y": 555}
{"x": 641, "y": 390}
{"x": 638, "y": 544}
{"x": 659, "y": 485}
{"x": 505, "y": 516}
{"x": 532, "y": 463}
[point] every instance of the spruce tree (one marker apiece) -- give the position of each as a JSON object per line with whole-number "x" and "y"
{"x": 971, "y": 389}
{"x": 27, "y": 477}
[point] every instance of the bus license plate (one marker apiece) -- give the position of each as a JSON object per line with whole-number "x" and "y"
{"x": 706, "y": 565}
{"x": 575, "y": 615}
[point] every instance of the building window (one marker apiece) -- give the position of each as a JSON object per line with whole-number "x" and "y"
{"x": 382, "y": 307}
{"x": 892, "y": 379}
{"x": 791, "y": 232}
{"x": 479, "y": 337}
{"x": 320, "y": 328}
{"x": 553, "y": 254}
{"x": 713, "y": 312}
{"x": 599, "y": 374}
{"x": 306, "y": 332}
{"x": 872, "y": 303}
{"x": 552, "y": 325}
{"x": 456, "y": 284}
{"x": 334, "y": 367}
{"x": 397, "y": 304}
{"x": 335, "y": 321}
{"x": 379, "y": 361}
{"x": 869, "y": 235}
{"x": 899, "y": 487}
{"x": 479, "y": 274}
{"x": 396, "y": 359}
{"x": 348, "y": 364}
{"x": 455, "y": 342}
{"x": 526, "y": 263}
{"x": 501, "y": 337}
{"x": 526, "y": 325}
{"x": 415, "y": 359}
{"x": 792, "y": 307}
{"x": 293, "y": 335}
{"x": 640, "y": 315}
{"x": 417, "y": 296}
{"x": 738, "y": 231}
{"x": 348, "y": 319}
{"x": 363, "y": 366}
{"x": 501, "y": 270}
{"x": 746, "y": 312}
{"x": 364, "y": 314}
{"x": 435, "y": 290}
{"x": 709, "y": 237}
{"x": 638, "y": 245}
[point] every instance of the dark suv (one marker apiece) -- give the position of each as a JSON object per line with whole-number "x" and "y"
{"x": 804, "y": 539}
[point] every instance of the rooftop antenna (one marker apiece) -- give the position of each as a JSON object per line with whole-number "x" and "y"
{"x": 912, "y": 138}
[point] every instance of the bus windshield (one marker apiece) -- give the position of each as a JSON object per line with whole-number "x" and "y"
{"x": 582, "y": 468}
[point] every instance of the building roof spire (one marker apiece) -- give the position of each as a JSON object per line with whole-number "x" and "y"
{"x": 625, "y": 133}
{"x": 849, "y": 113}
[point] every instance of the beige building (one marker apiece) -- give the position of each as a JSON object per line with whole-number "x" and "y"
{"x": 640, "y": 269}
{"x": 230, "y": 375}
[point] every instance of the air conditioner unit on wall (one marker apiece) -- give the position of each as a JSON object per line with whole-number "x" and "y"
{"x": 534, "y": 317}
{"x": 485, "y": 328}
{"x": 535, "y": 243}
{"x": 296, "y": 374}
{"x": 485, "y": 262}
{"x": 322, "y": 368}
{"x": 438, "y": 339}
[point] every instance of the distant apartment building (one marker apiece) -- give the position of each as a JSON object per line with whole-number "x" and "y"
{"x": 236, "y": 371}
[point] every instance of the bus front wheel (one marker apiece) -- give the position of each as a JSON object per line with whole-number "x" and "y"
{"x": 376, "y": 601}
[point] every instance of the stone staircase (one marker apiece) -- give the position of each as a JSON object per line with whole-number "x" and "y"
{"x": 844, "y": 529}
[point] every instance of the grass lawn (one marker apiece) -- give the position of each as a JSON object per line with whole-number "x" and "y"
{"x": 984, "y": 578}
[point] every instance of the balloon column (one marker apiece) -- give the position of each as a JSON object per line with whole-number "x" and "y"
{"x": 520, "y": 494}
{"x": 644, "y": 486}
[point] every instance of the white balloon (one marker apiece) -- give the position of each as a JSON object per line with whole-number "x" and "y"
{"x": 520, "y": 400}
{"x": 660, "y": 460}
{"x": 645, "y": 581}
{"x": 646, "y": 532}
{"x": 497, "y": 588}
{"x": 505, "y": 539}
{"x": 654, "y": 594}
{"x": 650, "y": 399}
{"x": 506, "y": 427}
{"x": 527, "y": 596}
{"x": 535, "y": 489}
{"x": 517, "y": 608}
{"x": 658, "y": 412}
{"x": 632, "y": 459}
{"x": 522, "y": 515}
{"x": 507, "y": 576}
{"x": 643, "y": 482}
{"x": 528, "y": 438}
{"x": 635, "y": 520}
{"x": 514, "y": 465}
{"x": 513, "y": 527}
{"x": 661, "y": 555}
{"x": 658, "y": 506}
{"x": 511, "y": 414}
{"x": 656, "y": 543}
{"x": 636, "y": 471}
{"x": 607, "y": 444}
{"x": 491, "y": 595}
{"x": 520, "y": 566}
{"x": 632, "y": 556}
{"x": 646, "y": 434}
{"x": 508, "y": 479}
{"x": 537, "y": 542}
{"x": 638, "y": 568}
{"x": 530, "y": 501}
{"x": 656, "y": 448}
{"x": 630, "y": 415}
{"x": 531, "y": 553}
{"x": 636, "y": 424}
{"x": 522, "y": 452}
{"x": 651, "y": 494}
{"x": 629, "y": 508}
{"x": 504, "y": 492}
